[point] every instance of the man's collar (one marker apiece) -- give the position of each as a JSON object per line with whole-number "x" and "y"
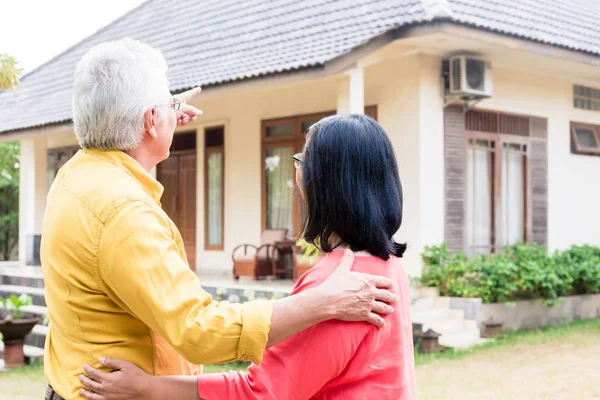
{"x": 134, "y": 168}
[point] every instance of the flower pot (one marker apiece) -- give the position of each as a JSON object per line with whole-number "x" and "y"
{"x": 14, "y": 333}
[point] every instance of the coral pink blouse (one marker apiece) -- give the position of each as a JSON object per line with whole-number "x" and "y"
{"x": 333, "y": 359}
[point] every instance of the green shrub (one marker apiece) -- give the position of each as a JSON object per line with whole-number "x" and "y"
{"x": 522, "y": 271}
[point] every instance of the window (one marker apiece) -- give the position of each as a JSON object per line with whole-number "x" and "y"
{"x": 56, "y": 158}
{"x": 214, "y": 179}
{"x": 496, "y": 198}
{"x": 585, "y": 139}
{"x": 281, "y": 139}
{"x": 586, "y": 98}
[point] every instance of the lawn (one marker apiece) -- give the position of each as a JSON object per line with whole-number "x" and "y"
{"x": 553, "y": 363}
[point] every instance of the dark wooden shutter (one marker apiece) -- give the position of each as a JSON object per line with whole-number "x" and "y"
{"x": 538, "y": 175}
{"x": 454, "y": 179}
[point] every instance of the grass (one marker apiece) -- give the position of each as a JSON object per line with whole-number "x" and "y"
{"x": 559, "y": 362}
{"x": 540, "y": 336}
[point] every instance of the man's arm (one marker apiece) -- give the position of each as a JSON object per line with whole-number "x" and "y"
{"x": 142, "y": 271}
{"x": 345, "y": 295}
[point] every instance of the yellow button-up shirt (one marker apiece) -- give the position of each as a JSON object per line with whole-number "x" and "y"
{"x": 118, "y": 283}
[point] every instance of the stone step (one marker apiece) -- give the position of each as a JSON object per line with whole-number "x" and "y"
{"x": 32, "y": 354}
{"x": 37, "y": 337}
{"x": 38, "y": 311}
{"x": 447, "y": 326}
{"x": 430, "y": 302}
{"x": 423, "y": 315}
{"x": 423, "y": 292}
{"x": 462, "y": 340}
{"x": 37, "y": 294}
{"x": 20, "y": 278}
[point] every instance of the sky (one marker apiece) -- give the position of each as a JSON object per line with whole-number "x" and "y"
{"x": 34, "y": 31}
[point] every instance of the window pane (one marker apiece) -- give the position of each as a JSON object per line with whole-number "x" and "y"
{"x": 586, "y": 138}
{"x": 307, "y": 124}
{"x": 281, "y": 130}
{"x": 479, "y": 199}
{"x": 215, "y": 198}
{"x": 512, "y": 195}
{"x": 280, "y": 188}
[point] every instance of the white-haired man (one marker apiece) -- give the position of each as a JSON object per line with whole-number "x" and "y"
{"x": 117, "y": 279}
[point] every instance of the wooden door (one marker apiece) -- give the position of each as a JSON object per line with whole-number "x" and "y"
{"x": 167, "y": 176}
{"x": 178, "y": 176}
{"x": 186, "y": 210}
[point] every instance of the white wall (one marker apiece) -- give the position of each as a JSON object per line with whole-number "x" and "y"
{"x": 407, "y": 93}
{"x": 574, "y": 180}
{"x": 242, "y": 116}
{"x": 32, "y": 190}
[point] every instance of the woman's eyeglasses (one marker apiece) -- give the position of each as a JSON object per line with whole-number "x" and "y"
{"x": 298, "y": 162}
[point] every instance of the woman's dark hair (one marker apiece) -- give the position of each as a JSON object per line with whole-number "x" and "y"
{"x": 352, "y": 191}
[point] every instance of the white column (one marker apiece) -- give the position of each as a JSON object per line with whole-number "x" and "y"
{"x": 32, "y": 194}
{"x": 351, "y": 93}
{"x": 357, "y": 91}
{"x": 431, "y": 151}
{"x": 41, "y": 183}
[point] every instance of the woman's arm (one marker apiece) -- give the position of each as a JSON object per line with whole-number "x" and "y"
{"x": 128, "y": 382}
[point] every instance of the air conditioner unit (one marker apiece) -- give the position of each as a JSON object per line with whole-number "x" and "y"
{"x": 470, "y": 77}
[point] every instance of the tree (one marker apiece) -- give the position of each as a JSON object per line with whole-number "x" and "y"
{"x": 9, "y": 199}
{"x": 9, "y": 73}
{"x": 9, "y": 170}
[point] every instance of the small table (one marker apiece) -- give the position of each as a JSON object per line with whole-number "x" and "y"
{"x": 288, "y": 249}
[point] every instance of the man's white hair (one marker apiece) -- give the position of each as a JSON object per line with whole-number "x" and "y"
{"x": 115, "y": 84}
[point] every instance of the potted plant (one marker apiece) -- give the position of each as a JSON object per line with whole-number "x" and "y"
{"x": 14, "y": 326}
{"x": 309, "y": 256}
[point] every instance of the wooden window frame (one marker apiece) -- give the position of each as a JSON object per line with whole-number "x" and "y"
{"x": 207, "y": 152}
{"x": 56, "y": 165}
{"x": 575, "y": 146}
{"x": 296, "y": 142}
{"x": 495, "y": 187}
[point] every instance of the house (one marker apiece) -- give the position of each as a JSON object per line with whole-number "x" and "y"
{"x": 516, "y": 162}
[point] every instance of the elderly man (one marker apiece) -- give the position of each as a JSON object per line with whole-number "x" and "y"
{"x": 117, "y": 279}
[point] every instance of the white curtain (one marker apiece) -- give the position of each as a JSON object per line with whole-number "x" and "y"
{"x": 478, "y": 215}
{"x": 512, "y": 195}
{"x": 280, "y": 188}
{"x": 215, "y": 198}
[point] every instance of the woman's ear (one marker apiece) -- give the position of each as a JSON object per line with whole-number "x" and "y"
{"x": 150, "y": 123}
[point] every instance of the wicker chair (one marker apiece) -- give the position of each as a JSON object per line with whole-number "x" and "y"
{"x": 260, "y": 261}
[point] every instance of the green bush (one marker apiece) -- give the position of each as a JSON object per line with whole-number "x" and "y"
{"x": 522, "y": 271}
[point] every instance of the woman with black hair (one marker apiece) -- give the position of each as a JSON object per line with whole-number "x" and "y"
{"x": 349, "y": 183}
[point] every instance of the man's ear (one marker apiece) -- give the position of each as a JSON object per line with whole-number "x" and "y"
{"x": 149, "y": 123}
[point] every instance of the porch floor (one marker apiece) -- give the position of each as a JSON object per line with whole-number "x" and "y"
{"x": 280, "y": 286}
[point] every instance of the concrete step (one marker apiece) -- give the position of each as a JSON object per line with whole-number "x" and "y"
{"x": 423, "y": 292}
{"x": 462, "y": 340}
{"x": 37, "y": 294}
{"x": 445, "y": 326}
{"x": 423, "y": 315}
{"x": 19, "y": 278}
{"x": 32, "y": 354}
{"x": 38, "y": 311}
{"x": 37, "y": 337}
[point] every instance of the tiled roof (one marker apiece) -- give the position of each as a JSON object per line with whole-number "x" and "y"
{"x": 210, "y": 42}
